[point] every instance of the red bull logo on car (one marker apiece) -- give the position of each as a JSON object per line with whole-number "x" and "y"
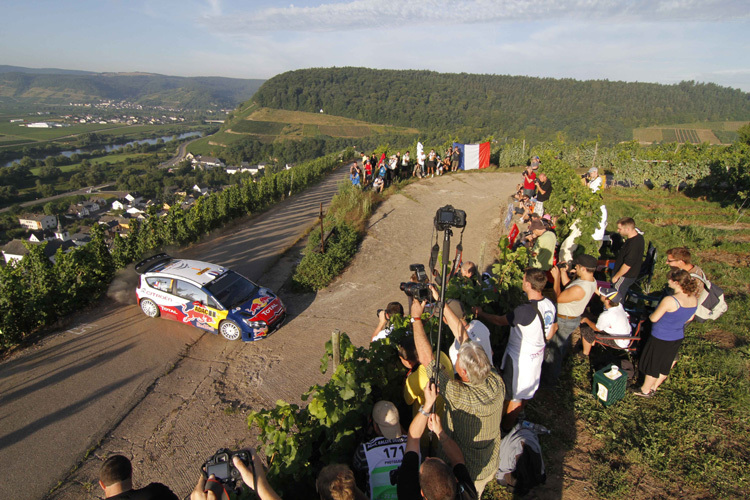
{"x": 199, "y": 316}
{"x": 259, "y": 303}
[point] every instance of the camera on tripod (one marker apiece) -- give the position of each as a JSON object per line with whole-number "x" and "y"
{"x": 447, "y": 217}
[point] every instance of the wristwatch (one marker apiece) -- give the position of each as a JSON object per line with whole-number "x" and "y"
{"x": 421, "y": 410}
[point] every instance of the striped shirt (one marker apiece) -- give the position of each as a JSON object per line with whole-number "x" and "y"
{"x": 472, "y": 419}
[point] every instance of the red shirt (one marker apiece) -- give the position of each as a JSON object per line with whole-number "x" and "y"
{"x": 529, "y": 184}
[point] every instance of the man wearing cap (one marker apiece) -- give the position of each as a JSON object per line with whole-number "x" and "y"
{"x": 571, "y": 302}
{"x": 543, "y": 251}
{"x": 592, "y": 180}
{"x": 375, "y": 459}
{"x": 612, "y": 321}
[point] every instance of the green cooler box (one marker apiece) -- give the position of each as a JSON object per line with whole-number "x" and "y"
{"x": 609, "y": 385}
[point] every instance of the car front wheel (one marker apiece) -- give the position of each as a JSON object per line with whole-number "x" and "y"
{"x": 149, "y": 308}
{"x": 229, "y": 330}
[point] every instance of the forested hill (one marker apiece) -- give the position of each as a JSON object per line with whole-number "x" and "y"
{"x": 474, "y": 106}
{"x": 147, "y": 89}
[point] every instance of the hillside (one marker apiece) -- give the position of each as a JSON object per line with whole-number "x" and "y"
{"x": 474, "y": 106}
{"x": 184, "y": 93}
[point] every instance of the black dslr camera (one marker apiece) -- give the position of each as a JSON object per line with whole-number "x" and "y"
{"x": 419, "y": 270}
{"x": 448, "y": 216}
{"x": 419, "y": 291}
{"x": 223, "y": 469}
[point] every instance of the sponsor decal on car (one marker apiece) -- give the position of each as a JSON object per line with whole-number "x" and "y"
{"x": 259, "y": 303}
{"x": 200, "y": 316}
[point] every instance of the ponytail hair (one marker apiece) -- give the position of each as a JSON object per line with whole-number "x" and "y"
{"x": 688, "y": 284}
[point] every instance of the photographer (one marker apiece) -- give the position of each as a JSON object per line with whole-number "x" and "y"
{"x": 257, "y": 471}
{"x": 384, "y": 327}
{"x": 116, "y": 479}
{"x": 543, "y": 249}
{"x": 592, "y": 180}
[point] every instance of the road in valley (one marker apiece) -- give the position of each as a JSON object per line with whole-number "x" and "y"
{"x": 61, "y": 396}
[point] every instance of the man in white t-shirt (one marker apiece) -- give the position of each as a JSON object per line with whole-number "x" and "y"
{"x": 593, "y": 180}
{"x": 613, "y": 321}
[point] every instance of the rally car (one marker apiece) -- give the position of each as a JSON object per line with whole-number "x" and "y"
{"x": 207, "y": 296}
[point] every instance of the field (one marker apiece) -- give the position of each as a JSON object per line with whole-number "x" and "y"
{"x": 696, "y": 133}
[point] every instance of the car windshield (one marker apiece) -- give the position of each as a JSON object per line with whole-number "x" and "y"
{"x": 231, "y": 289}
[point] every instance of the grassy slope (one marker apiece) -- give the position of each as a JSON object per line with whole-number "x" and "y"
{"x": 711, "y": 132}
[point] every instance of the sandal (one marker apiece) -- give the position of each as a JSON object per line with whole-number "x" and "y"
{"x": 644, "y": 394}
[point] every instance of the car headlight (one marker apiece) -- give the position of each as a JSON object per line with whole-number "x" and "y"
{"x": 255, "y": 324}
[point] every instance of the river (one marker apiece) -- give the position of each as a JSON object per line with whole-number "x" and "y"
{"x": 111, "y": 148}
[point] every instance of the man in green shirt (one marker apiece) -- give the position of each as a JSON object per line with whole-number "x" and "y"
{"x": 543, "y": 251}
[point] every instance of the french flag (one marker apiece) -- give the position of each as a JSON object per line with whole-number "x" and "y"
{"x": 473, "y": 156}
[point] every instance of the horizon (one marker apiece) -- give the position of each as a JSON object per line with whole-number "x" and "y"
{"x": 659, "y": 41}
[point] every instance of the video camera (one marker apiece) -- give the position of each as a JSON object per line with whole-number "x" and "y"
{"x": 221, "y": 466}
{"x": 447, "y": 217}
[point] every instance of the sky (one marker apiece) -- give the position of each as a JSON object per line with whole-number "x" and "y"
{"x": 663, "y": 41}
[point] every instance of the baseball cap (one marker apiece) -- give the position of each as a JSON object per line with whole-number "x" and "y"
{"x": 607, "y": 292}
{"x": 586, "y": 261}
{"x": 385, "y": 414}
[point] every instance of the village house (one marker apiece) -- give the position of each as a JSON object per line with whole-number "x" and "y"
{"x": 16, "y": 249}
{"x": 38, "y": 222}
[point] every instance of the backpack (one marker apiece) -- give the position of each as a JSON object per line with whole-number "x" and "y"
{"x": 711, "y": 304}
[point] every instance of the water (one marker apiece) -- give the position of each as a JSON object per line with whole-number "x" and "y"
{"x": 115, "y": 147}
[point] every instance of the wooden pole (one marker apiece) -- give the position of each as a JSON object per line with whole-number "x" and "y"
{"x": 322, "y": 234}
{"x": 336, "y": 347}
{"x": 596, "y": 149}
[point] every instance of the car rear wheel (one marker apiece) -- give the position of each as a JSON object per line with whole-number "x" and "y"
{"x": 229, "y": 330}
{"x": 149, "y": 308}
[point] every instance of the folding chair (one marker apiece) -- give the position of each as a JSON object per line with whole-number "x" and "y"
{"x": 614, "y": 355}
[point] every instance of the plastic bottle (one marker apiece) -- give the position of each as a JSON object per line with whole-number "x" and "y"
{"x": 537, "y": 428}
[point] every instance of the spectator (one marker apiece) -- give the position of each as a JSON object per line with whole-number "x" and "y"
{"x": 473, "y": 401}
{"x": 420, "y": 164}
{"x": 629, "y": 259}
{"x": 263, "y": 488}
{"x": 336, "y": 482}
{"x": 385, "y": 327}
{"x": 378, "y": 458}
{"x": 354, "y": 176}
{"x": 592, "y": 180}
{"x": 476, "y": 331}
{"x": 455, "y": 159}
{"x": 431, "y": 163}
{"x": 535, "y": 163}
{"x": 543, "y": 191}
{"x": 116, "y": 479}
{"x": 469, "y": 270}
{"x": 529, "y": 182}
{"x": 532, "y": 325}
{"x": 571, "y": 302}
{"x": 612, "y": 321}
{"x": 368, "y": 172}
{"x": 405, "y": 165}
{"x": 543, "y": 249}
{"x": 378, "y": 184}
{"x": 521, "y": 464}
{"x": 434, "y": 480}
{"x": 680, "y": 258}
{"x": 673, "y": 312}
{"x": 416, "y": 377}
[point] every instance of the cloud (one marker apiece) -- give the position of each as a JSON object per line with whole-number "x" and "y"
{"x": 358, "y": 14}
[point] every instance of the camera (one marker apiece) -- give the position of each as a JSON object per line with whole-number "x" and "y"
{"x": 419, "y": 291}
{"x": 222, "y": 467}
{"x": 421, "y": 274}
{"x": 448, "y": 216}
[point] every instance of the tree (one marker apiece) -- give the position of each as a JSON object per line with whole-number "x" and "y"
{"x": 744, "y": 133}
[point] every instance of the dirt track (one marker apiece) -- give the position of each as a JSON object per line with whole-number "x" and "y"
{"x": 201, "y": 405}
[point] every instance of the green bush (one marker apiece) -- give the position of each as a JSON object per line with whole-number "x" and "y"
{"x": 316, "y": 270}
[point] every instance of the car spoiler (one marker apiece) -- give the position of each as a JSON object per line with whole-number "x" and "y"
{"x": 151, "y": 262}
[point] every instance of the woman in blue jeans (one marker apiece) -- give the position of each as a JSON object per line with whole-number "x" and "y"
{"x": 669, "y": 319}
